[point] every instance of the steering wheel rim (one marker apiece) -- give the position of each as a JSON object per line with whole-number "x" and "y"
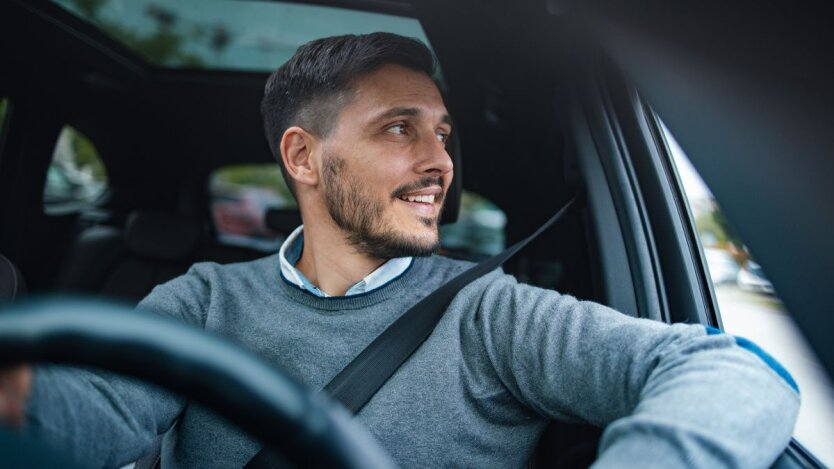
{"x": 303, "y": 426}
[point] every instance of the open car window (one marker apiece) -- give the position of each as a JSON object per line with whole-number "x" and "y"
{"x": 749, "y": 306}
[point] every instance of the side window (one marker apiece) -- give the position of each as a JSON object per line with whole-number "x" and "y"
{"x": 241, "y": 195}
{"x": 479, "y": 231}
{"x": 76, "y": 177}
{"x": 749, "y": 306}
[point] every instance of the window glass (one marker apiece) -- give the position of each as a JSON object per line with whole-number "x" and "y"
{"x": 220, "y": 34}
{"x": 76, "y": 176}
{"x": 243, "y": 194}
{"x": 750, "y": 307}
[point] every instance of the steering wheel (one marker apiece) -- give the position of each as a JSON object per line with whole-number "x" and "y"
{"x": 303, "y": 426}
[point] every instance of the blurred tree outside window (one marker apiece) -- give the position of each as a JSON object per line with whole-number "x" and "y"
{"x": 749, "y": 307}
{"x": 76, "y": 176}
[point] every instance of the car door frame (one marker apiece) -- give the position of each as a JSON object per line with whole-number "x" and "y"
{"x": 634, "y": 165}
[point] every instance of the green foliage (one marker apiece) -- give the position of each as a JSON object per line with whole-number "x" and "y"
{"x": 715, "y": 225}
{"x": 716, "y": 231}
{"x": 264, "y": 176}
{"x": 164, "y": 46}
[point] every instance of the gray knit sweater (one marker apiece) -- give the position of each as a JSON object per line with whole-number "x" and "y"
{"x": 504, "y": 360}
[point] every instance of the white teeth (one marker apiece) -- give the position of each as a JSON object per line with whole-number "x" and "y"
{"x": 426, "y": 199}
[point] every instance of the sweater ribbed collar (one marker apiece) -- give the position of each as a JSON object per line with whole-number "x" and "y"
{"x": 359, "y": 301}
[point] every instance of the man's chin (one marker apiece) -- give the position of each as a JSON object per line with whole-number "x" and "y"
{"x": 391, "y": 245}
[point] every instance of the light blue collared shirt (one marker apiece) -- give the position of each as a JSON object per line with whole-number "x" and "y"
{"x": 290, "y": 252}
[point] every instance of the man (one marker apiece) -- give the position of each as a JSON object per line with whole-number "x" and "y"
{"x": 359, "y": 128}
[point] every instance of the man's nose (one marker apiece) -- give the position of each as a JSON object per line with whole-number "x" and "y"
{"x": 435, "y": 159}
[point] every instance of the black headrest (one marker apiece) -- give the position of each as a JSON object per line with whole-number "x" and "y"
{"x": 163, "y": 236}
{"x": 282, "y": 220}
{"x": 451, "y": 208}
{"x": 12, "y": 285}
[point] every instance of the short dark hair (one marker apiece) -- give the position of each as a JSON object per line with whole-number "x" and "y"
{"x": 312, "y": 87}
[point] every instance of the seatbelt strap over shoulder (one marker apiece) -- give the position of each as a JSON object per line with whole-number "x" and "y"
{"x": 361, "y": 379}
{"x": 357, "y": 383}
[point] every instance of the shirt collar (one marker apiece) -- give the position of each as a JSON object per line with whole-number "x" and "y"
{"x": 290, "y": 252}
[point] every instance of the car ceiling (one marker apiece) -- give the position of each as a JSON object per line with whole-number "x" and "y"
{"x": 744, "y": 87}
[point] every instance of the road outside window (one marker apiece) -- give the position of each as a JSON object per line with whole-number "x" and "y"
{"x": 76, "y": 177}
{"x": 750, "y": 307}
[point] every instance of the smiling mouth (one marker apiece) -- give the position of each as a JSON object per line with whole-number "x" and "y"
{"x": 423, "y": 199}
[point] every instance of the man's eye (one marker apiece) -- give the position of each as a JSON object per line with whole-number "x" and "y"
{"x": 443, "y": 137}
{"x": 398, "y": 129}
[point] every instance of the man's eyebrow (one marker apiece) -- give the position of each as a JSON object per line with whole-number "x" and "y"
{"x": 408, "y": 112}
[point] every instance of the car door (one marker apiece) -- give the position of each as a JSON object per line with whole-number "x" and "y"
{"x": 622, "y": 99}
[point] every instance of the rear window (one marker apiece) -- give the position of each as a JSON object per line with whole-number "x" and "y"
{"x": 241, "y": 195}
{"x": 479, "y": 231}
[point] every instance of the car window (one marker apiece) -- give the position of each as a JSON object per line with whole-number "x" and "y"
{"x": 241, "y": 195}
{"x": 224, "y": 35}
{"x": 240, "y": 198}
{"x": 76, "y": 177}
{"x": 749, "y": 306}
{"x": 479, "y": 231}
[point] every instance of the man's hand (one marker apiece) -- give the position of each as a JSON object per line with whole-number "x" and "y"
{"x": 15, "y": 385}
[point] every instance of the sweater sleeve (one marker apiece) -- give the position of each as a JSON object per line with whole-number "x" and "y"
{"x": 102, "y": 419}
{"x": 670, "y": 396}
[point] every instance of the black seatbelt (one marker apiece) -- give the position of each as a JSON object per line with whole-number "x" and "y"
{"x": 357, "y": 383}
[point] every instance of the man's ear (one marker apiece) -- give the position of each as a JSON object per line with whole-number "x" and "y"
{"x": 297, "y": 148}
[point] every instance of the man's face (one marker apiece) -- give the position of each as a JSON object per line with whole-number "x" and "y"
{"x": 385, "y": 168}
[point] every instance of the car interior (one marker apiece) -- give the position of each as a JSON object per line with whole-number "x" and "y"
{"x": 542, "y": 111}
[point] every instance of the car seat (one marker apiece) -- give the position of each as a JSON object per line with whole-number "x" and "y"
{"x": 153, "y": 247}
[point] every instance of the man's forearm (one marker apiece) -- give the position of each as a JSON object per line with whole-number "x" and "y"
{"x": 98, "y": 419}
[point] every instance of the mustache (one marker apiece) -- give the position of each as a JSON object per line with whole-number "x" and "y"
{"x": 421, "y": 183}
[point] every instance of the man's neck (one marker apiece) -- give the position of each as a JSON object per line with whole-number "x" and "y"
{"x": 332, "y": 264}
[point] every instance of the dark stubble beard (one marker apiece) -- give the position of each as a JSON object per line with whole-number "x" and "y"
{"x": 359, "y": 214}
